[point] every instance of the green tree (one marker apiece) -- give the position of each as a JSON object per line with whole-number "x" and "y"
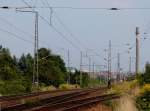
{"x": 51, "y": 68}
{"x": 25, "y": 64}
{"x": 75, "y": 78}
{"x": 144, "y": 99}
{"x": 147, "y": 73}
{"x": 8, "y": 70}
{"x": 11, "y": 81}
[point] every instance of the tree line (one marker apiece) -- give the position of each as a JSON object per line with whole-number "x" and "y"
{"x": 16, "y": 74}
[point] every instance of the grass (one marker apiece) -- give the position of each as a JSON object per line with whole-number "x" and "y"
{"x": 123, "y": 87}
{"x": 126, "y": 102}
{"x": 68, "y": 86}
{"x": 145, "y": 88}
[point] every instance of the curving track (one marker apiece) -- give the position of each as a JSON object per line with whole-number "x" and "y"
{"x": 73, "y": 105}
{"x": 16, "y": 100}
{"x": 65, "y": 101}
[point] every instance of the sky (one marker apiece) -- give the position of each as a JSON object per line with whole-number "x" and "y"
{"x": 87, "y": 30}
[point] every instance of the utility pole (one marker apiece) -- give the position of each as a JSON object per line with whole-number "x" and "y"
{"x": 93, "y": 70}
{"x": 130, "y": 62}
{"x": 81, "y": 68}
{"x": 35, "y": 79}
{"x": 110, "y": 56}
{"x": 118, "y": 67}
{"x": 137, "y": 50}
{"x": 109, "y": 64}
{"x": 68, "y": 81}
{"x": 37, "y": 47}
{"x": 89, "y": 70}
{"x": 89, "y": 66}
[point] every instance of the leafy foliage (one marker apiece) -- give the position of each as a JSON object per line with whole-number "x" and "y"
{"x": 51, "y": 68}
{"x": 144, "y": 99}
{"x": 146, "y": 76}
{"x": 75, "y": 78}
{"x": 8, "y": 71}
{"x": 16, "y": 73}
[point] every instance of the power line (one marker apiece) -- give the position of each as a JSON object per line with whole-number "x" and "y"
{"x": 26, "y": 3}
{"x": 79, "y": 8}
{"x": 16, "y": 36}
{"x": 60, "y": 21}
{"x": 84, "y": 8}
{"x": 60, "y": 33}
{"x": 94, "y": 8}
{"x": 35, "y": 2}
{"x": 20, "y": 30}
{"x": 64, "y": 26}
{"x": 56, "y": 30}
{"x": 67, "y": 30}
{"x": 64, "y": 37}
{"x": 70, "y": 33}
{"x": 76, "y": 8}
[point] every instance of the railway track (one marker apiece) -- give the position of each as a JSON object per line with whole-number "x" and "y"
{"x": 10, "y": 101}
{"x": 53, "y": 100}
{"x": 25, "y": 95}
{"x": 73, "y": 105}
{"x": 87, "y": 101}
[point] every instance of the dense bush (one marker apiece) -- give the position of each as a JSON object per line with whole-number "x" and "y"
{"x": 16, "y": 74}
{"x": 13, "y": 87}
{"x": 144, "y": 99}
{"x": 68, "y": 86}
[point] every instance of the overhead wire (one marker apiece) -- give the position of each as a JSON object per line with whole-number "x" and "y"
{"x": 90, "y": 8}
{"x": 84, "y": 9}
{"x": 35, "y": 2}
{"x": 16, "y": 36}
{"x": 51, "y": 10}
{"x": 20, "y": 30}
{"x": 96, "y": 54}
{"x": 77, "y": 8}
{"x": 65, "y": 27}
{"x": 131, "y": 47}
{"x": 61, "y": 22}
{"x": 55, "y": 29}
{"x": 26, "y": 3}
{"x": 68, "y": 31}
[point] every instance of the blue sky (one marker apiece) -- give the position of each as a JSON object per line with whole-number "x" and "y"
{"x": 91, "y": 29}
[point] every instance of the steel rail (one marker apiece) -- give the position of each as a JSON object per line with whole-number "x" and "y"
{"x": 53, "y": 100}
{"x": 74, "y": 104}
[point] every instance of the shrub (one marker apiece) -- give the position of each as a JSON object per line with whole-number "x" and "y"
{"x": 68, "y": 86}
{"x": 47, "y": 88}
{"x": 12, "y": 87}
{"x": 145, "y": 88}
{"x": 123, "y": 87}
{"x": 143, "y": 100}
